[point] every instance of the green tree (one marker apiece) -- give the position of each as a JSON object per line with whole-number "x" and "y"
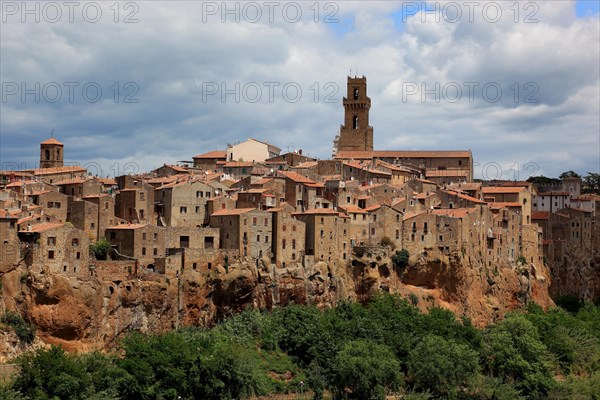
{"x": 100, "y": 249}
{"x": 569, "y": 174}
{"x": 513, "y": 352}
{"x": 367, "y": 369}
{"x": 400, "y": 259}
{"x": 441, "y": 366}
{"x": 591, "y": 183}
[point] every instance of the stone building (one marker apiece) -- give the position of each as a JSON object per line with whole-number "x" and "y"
{"x": 136, "y": 205}
{"x": 288, "y": 236}
{"x": 9, "y": 242}
{"x": 247, "y": 230}
{"x": 143, "y": 242}
{"x": 517, "y": 196}
{"x": 210, "y": 161}
{"x": 252, "y": 150}
{"x": 80, "y": 186}
{"x": 93, "y": 214}
{"x": 184, "y": 203}
{"x": 327, "y": 234}
{"x": 355, "y": 134}
{"x": 51, "y": 153}
{"x": 57, "y": 248}
{"x": 55, "y": 203}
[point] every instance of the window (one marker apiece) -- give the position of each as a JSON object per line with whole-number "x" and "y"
{"x": 293, "y": 228}
{"x": 283, "y": 244}
{"x": 374, "y": 218}
{"x": 144, "y": 236}
{"x": 78, "y": 255}
{"x": 155, "y": 251}
{"x": 293, "y": 244}
{"x": 199, "y": 194}
{"x": 266, "y": 221}
{"x": 197, "y": 209}
{"x": 355, "y": 122}
{"x": 397, "y": 217}
{"x": 155, "y": 236}
{"x": 254, "y": 221}
{"x": 355, "y": 93}
{"x": 372, "y": 231}
{"x": 182, "y": 210}
{"x": 364, "y": 217}
{"x": 92, "y": 225}
{"x": 51, "y": 254}
{"x": 143, "y": 251}
{"x": 283, "y": 227}
{"x": 51, "y": 241}
{"x": 208, "y": 195}
{"x": 397, "y": 234}
{"x": 266, "y": 239}
{"x": 113, "y": 235}
{"x": 322, "y": 234}
{"x": 258, "y": 238}
{"x": 142, "y": 196}
{"x": 75, "y": 242}
{"x": 322, "y": 220}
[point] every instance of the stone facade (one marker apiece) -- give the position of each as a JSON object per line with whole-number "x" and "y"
{"x": 355, "y": 134}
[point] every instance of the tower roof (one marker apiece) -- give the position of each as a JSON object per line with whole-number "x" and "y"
{"x": 52, "y": 141}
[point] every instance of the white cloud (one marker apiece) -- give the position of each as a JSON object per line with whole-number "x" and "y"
{"x": 175, "y": 50}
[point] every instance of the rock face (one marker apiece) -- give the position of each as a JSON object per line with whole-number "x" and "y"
{"x": 87, "y": 313}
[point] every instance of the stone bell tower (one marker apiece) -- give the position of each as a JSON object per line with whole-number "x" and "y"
{"x": 355, "y": 133}
{"x": 51, "y": 153}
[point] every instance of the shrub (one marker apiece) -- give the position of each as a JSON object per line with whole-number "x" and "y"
{"x": 386, "y": 241}
{"x": 400, "y": 259}
{"x": 25, "y": 331}
{"x": 100, "y": 249}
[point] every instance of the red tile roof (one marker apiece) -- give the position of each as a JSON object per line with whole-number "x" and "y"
{"x": 504, "y": 204}
{"x": 235, "y": 211}
{"x": 213, "y": 154}
{"x": 59, "y": 170}
{"x": 350, "y": 208}
{"x": 43, "y": 227}
{"x": 296, "y": 177}
{"x": 540, "y": 215}
{"x": 453, "y": 212}
{"x": 127, "y": 226}
{"x": 7, "y": 215}
{"x": 502, "y": 189}
{"x": 321, "y": 211}
{"x": 52, "y": 141}
{"x": 403, "y": 154}
{"x": 446, "y": 172}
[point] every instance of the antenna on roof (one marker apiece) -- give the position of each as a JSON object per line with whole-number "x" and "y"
{"x": 52, "y": 133}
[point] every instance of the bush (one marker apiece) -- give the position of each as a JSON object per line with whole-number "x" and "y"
{"x": 442, "y": 366}
{"x": 368, "y": 369}
{"x": 400, "y": 259}
{"x": 386, "y": 241}
{"x": 100, "y": 249}
{"x": 25, "y": 331}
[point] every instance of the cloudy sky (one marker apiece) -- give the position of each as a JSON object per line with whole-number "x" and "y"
{"x": 128, "y": 86}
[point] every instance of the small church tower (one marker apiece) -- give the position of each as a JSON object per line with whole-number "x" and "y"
{"x": 51, "y": 153}
{"x": 355, "y": 134}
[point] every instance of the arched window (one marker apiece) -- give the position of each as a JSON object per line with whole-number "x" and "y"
{"x": 47, "y": 154}
{"x": 355, "y": 93}
{"x": 355, "y": 122}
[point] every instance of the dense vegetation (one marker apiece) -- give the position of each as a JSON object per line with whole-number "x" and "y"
{"x": 351, "y": 351}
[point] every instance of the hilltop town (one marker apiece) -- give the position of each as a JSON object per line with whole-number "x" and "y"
{"x": 248, "y": 225}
